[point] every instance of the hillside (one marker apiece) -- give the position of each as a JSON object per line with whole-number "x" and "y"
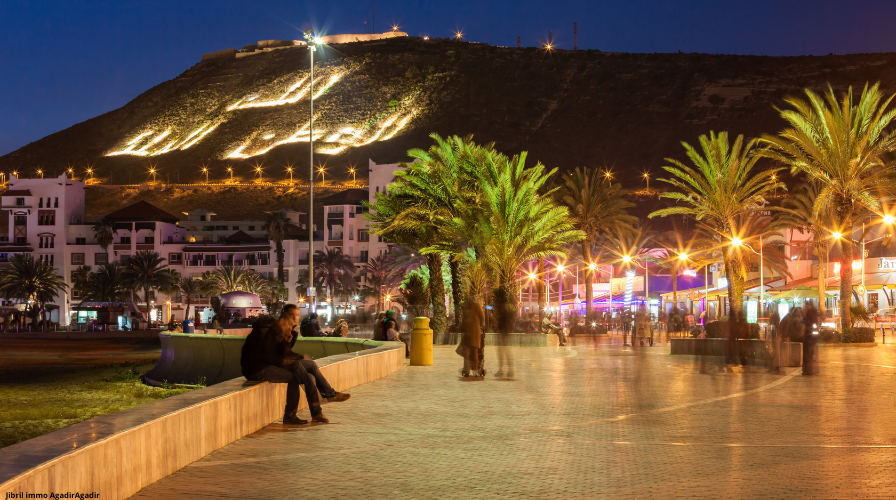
{"x": 379, "y": 99}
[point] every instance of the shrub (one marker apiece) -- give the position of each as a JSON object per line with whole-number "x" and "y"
{"x": 857, "y": 335}
{"x": 716, "y": 329}
{"x": 828, "y": 336}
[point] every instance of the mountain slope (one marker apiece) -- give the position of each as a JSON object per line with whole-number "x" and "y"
{"x": 379, "y": 99}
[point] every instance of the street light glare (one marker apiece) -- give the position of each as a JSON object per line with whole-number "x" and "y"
{"x": 889, "y": 219}
{"x": 736, "y": 242}
{"x": 532, "y": 276}
{"x": 837, "y": 235}
{"x": 561, "y": 267}
{"x": 626, "y": 258}
{"x": 592, "y": 266}
{"x": 683, "y": 256}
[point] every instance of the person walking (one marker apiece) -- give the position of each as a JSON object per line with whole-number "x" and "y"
{"x": 809, "y": 320}
{"x": 472, "y": 344}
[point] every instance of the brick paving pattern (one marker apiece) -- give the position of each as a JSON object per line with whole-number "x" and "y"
{"x": 590, "y": 420}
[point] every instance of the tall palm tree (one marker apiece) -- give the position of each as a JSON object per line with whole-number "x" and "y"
{"x": 277, "y": 225}
{"x": 520, "y": 223}
{"x": 32, "y": 281}
{"x": 227, "y": 278}
{"x": 108, "y": 284}
{"x": 147, "y": 270}
{"x": 721, "y": 186}
{"x": 842, "y": 146}
{"x": 801, "y": 216}
{"x": 379, "y": 275}
{"x": 335, "y": 269}
{"x": 598, "y": 207}
{"x": 189, "y": 288}
{"x": 104, "y": 232}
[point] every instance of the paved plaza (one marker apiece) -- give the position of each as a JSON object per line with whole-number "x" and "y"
{"x": 593, "y": 419}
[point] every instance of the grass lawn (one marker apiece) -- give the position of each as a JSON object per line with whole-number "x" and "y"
{"x": 30, "y": 409}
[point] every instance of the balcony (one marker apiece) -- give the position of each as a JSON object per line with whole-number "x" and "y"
{"x": 359, "y": 260}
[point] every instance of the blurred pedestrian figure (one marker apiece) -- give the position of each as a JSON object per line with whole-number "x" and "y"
{"x": 310, "y": 326}
{"x": 472, "y": 344}
{"x": 809, "y": 339}
{"x": 392, "y": 335}
{"x": 378, "y": 333}
{"x": 773, "y": 322}
{"x": 505, "y": 327}
{"x": 730, "y": 333}
{"x": 776, "y": 360}
{"x": 743, "y": 333}
{"x": 341, "y": 329}
{"x": 548, "y": 327}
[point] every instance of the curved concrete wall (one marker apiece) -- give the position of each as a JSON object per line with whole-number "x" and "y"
{"x": 117, "y": 455}
{"x": 211, "y": 359}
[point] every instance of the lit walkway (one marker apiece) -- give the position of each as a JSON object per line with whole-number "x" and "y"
{"x": 589, "y": 420}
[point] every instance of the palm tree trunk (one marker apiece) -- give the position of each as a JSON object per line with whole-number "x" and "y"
{"x": 439, "y": 321}
{"x": 735, "y": 290}
{"x": 589, "y": 293}
{"x": 846, "y": 256}
{"x": 541, "y": 290}
{"x": 279, "y": 247}
{"x": 459, "y": 271}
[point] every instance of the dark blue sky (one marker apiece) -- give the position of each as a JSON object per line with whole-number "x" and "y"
{"x": 63, "y": 62}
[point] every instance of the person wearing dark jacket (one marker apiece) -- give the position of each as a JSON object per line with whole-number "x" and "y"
{"x": 268, "y": 357}
{"x": 311, "y": 327}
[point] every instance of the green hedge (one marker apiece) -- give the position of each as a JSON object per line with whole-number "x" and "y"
{"x": 857, "y": 335}
{"x": 715, "y": 330}
{"x": 828, "y": 336}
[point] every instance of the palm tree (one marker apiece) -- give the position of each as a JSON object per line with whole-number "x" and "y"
{"x": 271, "y": 293}
{"x": 277, "y": 225}
{"x": 79, "y": 278}
{"x": 379, "y": 275}
{"x": 722, "y": 185}
{"x": 598, "y": 207}
{"x": 520, "y": 223}
{"x": 108, "y": 284}
{"x": 843, "y": 147}
{"x": 800, "y": 215}
{"x": 104, "y": 232}
{"x": 189, "y": 288}
{"x": 227, "y": 278}
{"x": 31, "y": 280}
{"x": 335, "y": 269}
{"x": 147, "y": 270}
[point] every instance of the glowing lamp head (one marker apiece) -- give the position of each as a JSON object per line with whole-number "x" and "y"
{"x": 592, "y": 266}
{"x": 736, "y": 242}
{"x": 205, "y": 170}
{"x": 837, "y": 235}
{"x": 388, "y": 297}
{"x": 626, "y": 258}
{"x": 682, "y": 256}
{"x": 561, "y": 267}
{"x": 532, "y": 276}
{"x": 889, "y": 219}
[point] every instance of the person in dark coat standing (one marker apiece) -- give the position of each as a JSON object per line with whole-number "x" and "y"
{"x": 809, "y": 339}
{"x": 472, "y": 342}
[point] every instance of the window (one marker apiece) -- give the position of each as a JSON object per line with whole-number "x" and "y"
{"x": 21, "y": 240}
{"x": 20, "y": 202}
{"x": 125, "y": 240}
{"x": 77, "y": 259}
{"x": 149, "y": 240}
{"x": 46, "y": 242}
{"x": 873, "y": 303}
{"x": 220, "y": 228}
{"x": 351, "y": 231}
{"x": 286, "y": 275}
{"x": 363, "y": 235}
{"x": 208, "y": 228}
{"x": 101, "y": 259}
{"x": 40, "y": 203}
{"x": 48, "y": 259}
{"x": 202, "y": 218}
{"x": 124, "y": 259}
{"x": 175, "y": 258}
{"x": 236, "y": 228}
{"x": 55, "y": 202}
{"x": 363, "y": 256}
{"x": 21, "y": 220}
{"x": 251, "y": 228}
{"x": 46, "y": 217}
{"x": 80, "y": 241}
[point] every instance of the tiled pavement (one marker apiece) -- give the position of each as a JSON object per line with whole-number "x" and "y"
{"x": 590, "y": 420}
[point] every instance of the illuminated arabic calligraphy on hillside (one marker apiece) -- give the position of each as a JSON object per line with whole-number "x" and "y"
{"x": 330, "y": 141}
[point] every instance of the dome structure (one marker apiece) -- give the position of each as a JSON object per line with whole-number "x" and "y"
{"x": 240, "y": 300}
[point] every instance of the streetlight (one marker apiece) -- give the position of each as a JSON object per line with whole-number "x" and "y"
{"x": 323, "y": 175}
{"x": 312, "y": 42}
{"x": 289, "y": 169}
{"x": 152, "y": 172}
{"x": 230, "y": 170}
{"x": 205, "y": 171}
{"x": 351, "y": 170}
{"x": 561, "y": 269}
{"x": 41, "y": 173}
{"x": 258, "y": 171}
{"x": 647, "y": 178}
{"x": 71, "y": 172}
{"x": 89, "y": 172}
{"x": 459, "y": 35}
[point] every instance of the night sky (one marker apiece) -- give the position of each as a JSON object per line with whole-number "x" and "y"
{"x": 63, "y": 62}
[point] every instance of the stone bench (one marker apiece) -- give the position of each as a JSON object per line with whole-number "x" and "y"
{"x": 756, "y": 351}
{"x": 118, "y": 454}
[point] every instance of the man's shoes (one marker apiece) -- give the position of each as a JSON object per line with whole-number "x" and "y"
{"x": 293, "y": 420}
{"x": 320, "y": 418}
{"x": 339, "y": 397}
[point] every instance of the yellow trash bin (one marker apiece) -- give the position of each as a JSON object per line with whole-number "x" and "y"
{"x": 421, "y": 343}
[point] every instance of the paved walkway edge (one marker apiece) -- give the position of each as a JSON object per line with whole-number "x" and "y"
{"x": 139, "y": 453}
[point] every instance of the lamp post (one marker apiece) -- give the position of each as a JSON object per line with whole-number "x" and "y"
{"x": 289, "y": 169}
{"x": 561, "y": 269}
{"x": 312, "y": 42}
{"x": 230, "y": 170}
{"x": 41, "y": 173}
{"x": 205, "y": 171}
{"x": 152, "y": 172}
{"x": 352, "y": 171}
{"x": 532, "y": 277}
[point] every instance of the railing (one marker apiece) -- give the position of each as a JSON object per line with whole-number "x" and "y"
{"x": 225, "y": 262}
{"x": 359, "y": 260}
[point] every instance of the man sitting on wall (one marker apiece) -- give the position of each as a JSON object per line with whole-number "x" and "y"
{"x": 268, "y": 357}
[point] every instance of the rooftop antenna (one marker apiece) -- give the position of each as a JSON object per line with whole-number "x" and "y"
{"x": 575, "y": 36}
{"x": 519, "y": 44}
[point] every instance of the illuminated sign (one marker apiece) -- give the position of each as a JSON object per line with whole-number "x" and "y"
{"x": 690, "y": 272}
{"x": 856, "y": 265}
{"x": 887, "y": 264}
